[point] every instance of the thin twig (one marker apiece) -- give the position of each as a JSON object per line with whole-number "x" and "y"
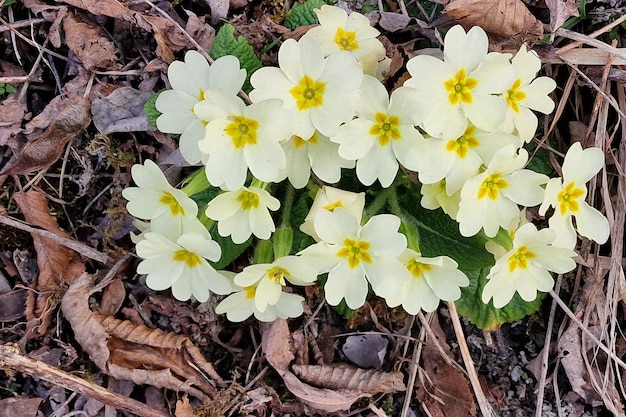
{"x": 75, "y": 245}
{"x": 10, "y": 357}
{"x": 485, "y": 408}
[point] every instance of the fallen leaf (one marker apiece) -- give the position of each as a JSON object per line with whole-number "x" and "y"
{"x": 86, "y": 41}
{"x": 275, "y": 343}
{"x": 390, "y": 21}
{"x": 168, "y": 37}
{"x": 43, "y": 151}
{"x": 183, "y": 408}
{"x": 12, "y": 305}
{"x": 121, "y": 111}
{"x": 11, "y": 116}
{"x": 112, "y": 297}
{"x": 219, "y": 9}
{"x": 560, "y": 11}
{"x": 348, "y": 377}
{"x": 135, "y": 352}
{"x": 504, "y": 18}
{"x": 366, "y": 350}
{"x": 56, "y": 263}
{"x": 446, "y": 391}
{"x": 22, "y": 407}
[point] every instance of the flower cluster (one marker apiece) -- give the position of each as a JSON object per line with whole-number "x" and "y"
{"x": 459, "y": 123}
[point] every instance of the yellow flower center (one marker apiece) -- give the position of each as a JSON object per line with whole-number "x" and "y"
{"x": 332, "y": 206}
{"x": 513, "y": 95}
{"x": 346, "y": 40}
{"x": 355, "y": 252}
{"x": 417, "y": 268}
{"x": 298, "y": 141}
{"x": 568, "y": 198}
{"x": 385, "y": 128}
{"x": 242, "y": 131}
{"x": 308, "y": 93}
{"x": 491, "y": 186}
{"x": 189, "y": 258}
{"x": 464, "y": 143}
{"x": 520, "y": 258}
{"x": 459, "y": 87}
{"x": 248, "y": 200}
{"x": 278, "y": 274}
{"x": 250, "y": 292}
{"x": 169, "y": 200}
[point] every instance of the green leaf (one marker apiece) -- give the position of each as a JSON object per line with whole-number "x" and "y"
{"x": 540, "y": 159}
{"x": 439, "y": 234}
{"x": 8, "y": 3}
{"x": 486, "y": 316}
{"x": 302, "y": 14}
{"x": 225, "y": 43}
{"x": 150, "y": 109}
{"x": 299, "y": 211}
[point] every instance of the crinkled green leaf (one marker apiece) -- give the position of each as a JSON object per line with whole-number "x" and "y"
{"x": 230, "y": 249}
{"x": 486, "y": 316}
{"x": 225, "y": 43}
{"x": 150, "y": 110}
{"x": 439, "y": 234}
{"x": 302, "y": 14}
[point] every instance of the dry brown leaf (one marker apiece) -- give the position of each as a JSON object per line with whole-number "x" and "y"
{"x": 444, "y": 382}
{"x": 12, "y": 305}
{"x": 56, "y": 263}
{"x": 504, "y": 18}
{"x": 560, "y": 11}
{"x": 93, "y": 49}
{"x": 135, "y": 352}
{"x": 219, "y": 9}
{"x": 11, "y": 115}
{"x": 22, "y": 407}
{"x": 44, "y": 150}
{"x": 121, "y": 111}
{"x": 276, "y": 345}
{"x": 167, "y": 36}
{"x": 348, "y": 377}
{"x": 112, "y": 297}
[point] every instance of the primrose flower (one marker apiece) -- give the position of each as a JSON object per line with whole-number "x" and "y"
{"x": 315, "y": 88}
{"x": 435, "y": 196}
{"x": 383, "y": 132}
{"x": 432, "y": 280}
{"x": 526, "y": 93}
{"x": 182, "y": 265}
{"x": 463, "y": 86}
{"x": 269, "y": 279}
{"x": 525, "y": 268}
{"x": 245, "y": 137}
{"x": 567, "y": 196}
{"x": 156, "y": 200}
{"x": 240, "y": 305}
{"x": 489, "y": 200}
{"x": 242, "y": 213}
{"x": 316, "y": 153}
{"x": 190, "y": 80}
{"x": 328, "y": 199}
{"x": 458, "y": 159}
{"x": 354, "y": 255}
{"x": 339, "y": 31}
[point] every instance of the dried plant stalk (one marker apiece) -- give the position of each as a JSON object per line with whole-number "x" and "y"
{"x": 347, "y": 377}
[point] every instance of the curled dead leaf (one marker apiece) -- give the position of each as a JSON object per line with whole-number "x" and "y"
{"x": 134, "y": 352}
{"x": 44, "y": 150}
{"x": 276, "y": 343}
{"x": 560, "y": 11}
{"x": 11, "y": 115}
{"x": 56, "y": 263}
{"x": 348, "y": 377}
{"x": 504, "y": 18}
